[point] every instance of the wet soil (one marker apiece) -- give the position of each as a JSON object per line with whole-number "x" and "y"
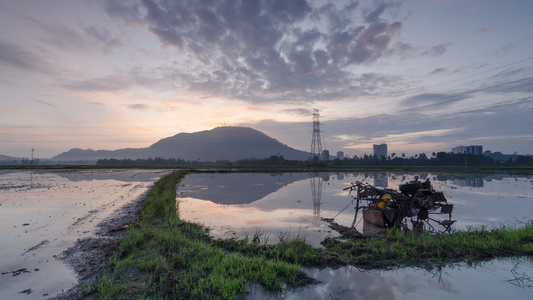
{"x": 89, "y": 256}
{"x": 345, "y": 231}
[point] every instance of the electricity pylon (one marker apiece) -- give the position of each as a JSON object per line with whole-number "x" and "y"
{"x": 316, "y": 142}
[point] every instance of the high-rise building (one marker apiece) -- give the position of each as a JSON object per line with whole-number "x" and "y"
{"x": 380, "y": 151}
{"x": 325, "y": 155}
{"x": 475, "y": 149}
{"x": 472, "y": 149}
{"x": 340, "y": 155}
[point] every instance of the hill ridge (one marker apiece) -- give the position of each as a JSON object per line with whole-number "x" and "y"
{"x": 221, "y": 143}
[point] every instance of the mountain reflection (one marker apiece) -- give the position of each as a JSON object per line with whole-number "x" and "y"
{"x": 236, "y": 188}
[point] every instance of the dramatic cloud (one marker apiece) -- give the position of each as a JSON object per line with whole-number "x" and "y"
{"x": 383, "y": 71}
{"x": 270, "y": 50}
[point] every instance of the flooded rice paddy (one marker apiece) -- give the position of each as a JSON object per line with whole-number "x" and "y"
{"x": 287, "y": 204}
{"x": 283, "y": 205}
{"x": 43, "y": 213}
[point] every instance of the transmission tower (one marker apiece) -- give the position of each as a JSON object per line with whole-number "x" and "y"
{"x": 316, "y": 193}
{"x": 316, "y": 142}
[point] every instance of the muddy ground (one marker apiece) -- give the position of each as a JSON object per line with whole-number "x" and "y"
{"x": 90, "y": 255}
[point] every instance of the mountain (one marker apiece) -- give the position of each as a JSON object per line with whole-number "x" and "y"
{"x": 221, "y": 143}
{"x": 9, "y": 158}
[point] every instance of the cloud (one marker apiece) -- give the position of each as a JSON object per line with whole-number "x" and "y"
{"x": 138, "y": 106}
{"x": 145, "y": 107}
{"x": 298, "y": 112}
{"x": 17, "y": 57}
{"x": 120, "y": 80}
{"x": 102, "y": 36}
{"x": 484, "y": 30}
{"x": 42, "y": 102}
{"x": 430, "y": 100}
{"x": 439, "y": 132}
{"x": 126, "y": 10}
{"x": 72, "y": 37}
{"x": 106, "y": 83}
{"x": 437, "y": 50}
{"x": 438, "y": 71}
{"x": 269, "y": 50}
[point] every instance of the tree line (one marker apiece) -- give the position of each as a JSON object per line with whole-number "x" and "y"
{"x": 393, "y": 160}
{"x": 436, "y": 159}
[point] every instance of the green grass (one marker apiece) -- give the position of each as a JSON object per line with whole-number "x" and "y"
{"x": 400, "y": 248}
{"x": 164, "y": 257}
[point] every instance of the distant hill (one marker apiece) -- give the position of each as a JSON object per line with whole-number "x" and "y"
{"x": 221, "y": 143}
{"x": 8, "y": 158}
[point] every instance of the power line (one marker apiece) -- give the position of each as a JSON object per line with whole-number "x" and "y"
{"x": 410, "y": 119}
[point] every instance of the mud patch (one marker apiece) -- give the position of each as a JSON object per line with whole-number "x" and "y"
{"x": 345, "y": 231}
{"x": 89, "y": 256}
{"x": 36, "y": 246}
{"x": 17, "y": 272}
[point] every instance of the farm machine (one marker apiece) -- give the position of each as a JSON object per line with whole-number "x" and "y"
{"x": 416, "y": 203}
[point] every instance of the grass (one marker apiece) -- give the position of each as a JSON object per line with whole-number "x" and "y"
{"x": 164, "y": 257}
{"x": 400, "y": 248}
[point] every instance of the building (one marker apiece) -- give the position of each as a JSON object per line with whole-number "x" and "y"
{"x": 380, "y": 151}
{"x": 472, "y": 149}
{"x": 340, "y": 155}
{"x": 325, "y": 155}
{"x": 458, "y": 149}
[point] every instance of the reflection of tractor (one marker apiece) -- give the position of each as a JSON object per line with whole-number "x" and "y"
{"x": 416, "y": 200}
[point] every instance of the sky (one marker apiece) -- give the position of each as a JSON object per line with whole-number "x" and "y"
{"x": 420, "y": 76}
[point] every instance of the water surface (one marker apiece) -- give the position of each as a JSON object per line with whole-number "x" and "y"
{"x": 43, "y": 213}
{"x": 282, "y": 205}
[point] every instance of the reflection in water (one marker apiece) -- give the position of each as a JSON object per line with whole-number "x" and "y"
{"x": 489, "y": 280}
{"x": 237, "y": 188}
{"x": 381, "y": 180}
{"x": 291, "y": 202}
{"x": 473, "y": 182}
{"x": 316, "y": 192}
{"x": 233, "y": 206}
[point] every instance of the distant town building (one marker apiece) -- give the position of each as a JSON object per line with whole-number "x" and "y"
{"x": 472, "y": 149}
{"x": 325, "y": 155}
{"x": 340, "y": 155}
{"x": 458, "y": 149}
{"x": 380, "y": 151}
